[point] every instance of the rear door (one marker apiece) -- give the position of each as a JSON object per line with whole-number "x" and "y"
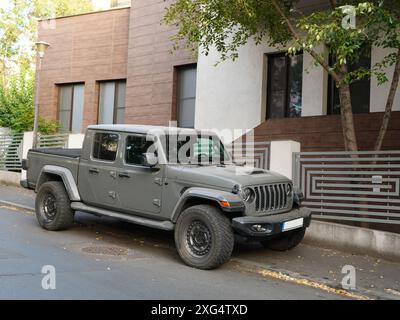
{"x": 97, "y": 171}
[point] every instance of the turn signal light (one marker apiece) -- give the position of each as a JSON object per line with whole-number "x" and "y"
{"x": 225, "y": 203}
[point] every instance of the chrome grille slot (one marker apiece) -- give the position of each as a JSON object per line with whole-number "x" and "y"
{"x": 270, "y": 198}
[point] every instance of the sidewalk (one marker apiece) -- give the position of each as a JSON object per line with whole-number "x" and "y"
{"x": 376, "y": 278}
{"x": 16, "y": 195}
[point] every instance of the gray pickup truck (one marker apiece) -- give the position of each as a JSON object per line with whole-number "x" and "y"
{"x": 180, "y": 180}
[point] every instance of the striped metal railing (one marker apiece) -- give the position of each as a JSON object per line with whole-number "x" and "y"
{"x": 11, "y": 151}
{"x": 350, "y": 186}
{"x": 53, "y": 141}
{"x": 255, "y": 154}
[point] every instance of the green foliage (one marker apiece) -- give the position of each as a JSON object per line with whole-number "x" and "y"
{"x": 228, "y": 24}
{"x": 59, "y": 8}
{"x": 17, "y": 106}
{"x": 18, "y": 26}
{"x": 375, "y": 25}
{"x": 48, "y": 126}
{"x": 16, "y": 103}
{"x": 225, "y": 24}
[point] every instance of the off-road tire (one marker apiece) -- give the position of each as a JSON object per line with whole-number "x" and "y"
{"x": 285, "y": 241}
{"x": 218, "y": 231}
{"x": 62, "y": 215}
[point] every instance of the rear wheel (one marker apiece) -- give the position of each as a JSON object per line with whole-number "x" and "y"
{"x": 204, "y": 237}
{"x": 285, "y": 241}
{"x": 53, "y": 207}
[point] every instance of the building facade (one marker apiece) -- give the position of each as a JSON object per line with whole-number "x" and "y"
{"x": 116, "y": 66}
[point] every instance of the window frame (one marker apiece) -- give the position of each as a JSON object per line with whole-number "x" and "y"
{"x": 115, "y": 107}
{"x": 287, "y": 78}
{"x": 92, "y": 158}
{"x": 71, "y": 116}
{"x": 124, "y": 162}
{"x": 177, "y": 107}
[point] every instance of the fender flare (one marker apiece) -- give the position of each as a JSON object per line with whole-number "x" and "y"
{"x": 66, "y": 176}
{"x": 236, "y": 203}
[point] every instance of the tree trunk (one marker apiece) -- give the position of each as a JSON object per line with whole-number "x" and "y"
{"x": 349, "y": 133}
{"x": 389, "y": 104}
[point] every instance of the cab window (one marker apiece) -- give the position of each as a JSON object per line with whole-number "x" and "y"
{"x": 136, "y": 149}
{"x": 105, "y": 146}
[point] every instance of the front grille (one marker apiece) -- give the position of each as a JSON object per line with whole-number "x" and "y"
{"x": 273, "y": 197}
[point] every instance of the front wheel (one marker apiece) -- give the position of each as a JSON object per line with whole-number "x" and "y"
{"x": 53, "y": 207}
{"x": 285, "y": 241}
{"x": 204, "y": 237}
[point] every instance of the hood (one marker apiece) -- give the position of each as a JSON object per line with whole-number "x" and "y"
{"x": 227, "y": 176}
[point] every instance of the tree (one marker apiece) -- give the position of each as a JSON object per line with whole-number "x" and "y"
{"x": 58, "y": 8}
{"x": 228, "y": 24}
{"x": 390, "y": 39}
{"x": 18, "y": 25}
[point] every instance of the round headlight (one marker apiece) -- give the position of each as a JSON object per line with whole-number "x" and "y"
{"x": 248, "y": 194}
{"x": 289, "y": 190}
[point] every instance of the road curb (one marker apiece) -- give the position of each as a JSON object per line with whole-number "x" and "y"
{"x": 17, "y": 206}
{"x": 354, "y": 239}
{"x": 268, "y": 271}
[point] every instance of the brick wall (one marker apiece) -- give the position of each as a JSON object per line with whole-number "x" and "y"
{"x": 84, "y": 48}
{"x": 150, "y": 86}
{"x": 324, "y": 133}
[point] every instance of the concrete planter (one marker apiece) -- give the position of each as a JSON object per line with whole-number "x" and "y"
{"x": 9, "y": 178}
{"x": 354, "y": 239}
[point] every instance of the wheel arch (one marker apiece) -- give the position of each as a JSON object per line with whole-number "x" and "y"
{"x": 198, "y": 196}
{"x": 64, "y": 175}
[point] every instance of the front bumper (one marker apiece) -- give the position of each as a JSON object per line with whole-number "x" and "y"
{"x": 272, "y": 224}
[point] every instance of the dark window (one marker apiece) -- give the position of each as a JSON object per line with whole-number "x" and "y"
{"x": 136, "y": 149}
{"x": 112, "y": 102}
{"x": 105, "y": 146}
{"x": 195, "y": 148}
{"x": 186, "y": 97}
{"x": 71, "y": 103}
{"x": 285, "y": 85}
{"x": 359, "y": 90}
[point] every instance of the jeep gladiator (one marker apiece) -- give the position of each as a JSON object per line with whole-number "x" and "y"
{"x": 181, "y": 180}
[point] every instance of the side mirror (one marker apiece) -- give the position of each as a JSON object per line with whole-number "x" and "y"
{"x": 151, "y": 160}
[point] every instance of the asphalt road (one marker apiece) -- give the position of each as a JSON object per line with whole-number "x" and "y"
{"x": 102, "y": 258}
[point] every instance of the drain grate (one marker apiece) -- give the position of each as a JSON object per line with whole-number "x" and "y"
{"x": 109, "y": 251}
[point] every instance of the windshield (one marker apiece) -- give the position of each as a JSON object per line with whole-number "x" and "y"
{"x": 195, "y": 149}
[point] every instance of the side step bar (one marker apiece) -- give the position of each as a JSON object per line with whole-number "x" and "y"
{"x": 163, "y": 225}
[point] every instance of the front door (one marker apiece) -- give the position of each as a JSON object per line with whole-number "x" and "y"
{"x": 98, "y": 174}
{"x": 139, "y": 186}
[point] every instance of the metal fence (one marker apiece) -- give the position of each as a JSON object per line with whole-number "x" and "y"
{"x": 53, "y": 141}
{"x": 11, "y": 148}
{"x": 256, "y": 154}
{"x": 10, "y": 151}
{"x": 350, "y": 186}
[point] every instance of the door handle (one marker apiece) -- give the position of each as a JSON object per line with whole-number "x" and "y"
{"x": 94, "y": 170}
{"x": 124, "y": 175}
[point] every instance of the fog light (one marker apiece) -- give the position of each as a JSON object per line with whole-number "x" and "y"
{"x": 260, "y": 228}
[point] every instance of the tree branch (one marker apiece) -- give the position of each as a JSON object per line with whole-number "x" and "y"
{"x": 297, "y": 37}
{"x": 389, "y": 104}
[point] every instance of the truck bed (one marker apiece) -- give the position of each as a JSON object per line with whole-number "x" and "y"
{"x": 65, "y": 158}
